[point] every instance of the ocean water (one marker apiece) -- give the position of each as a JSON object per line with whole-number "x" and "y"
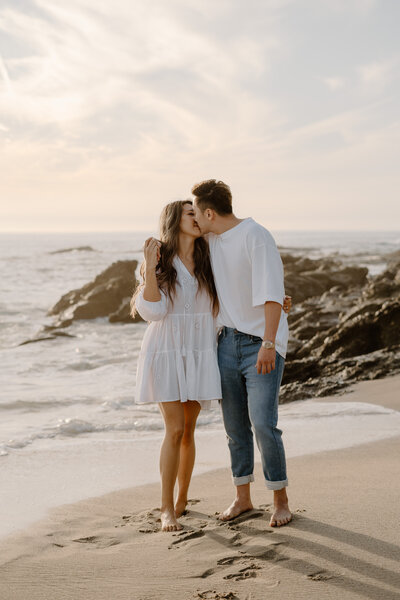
{"x": 83, "y": 387}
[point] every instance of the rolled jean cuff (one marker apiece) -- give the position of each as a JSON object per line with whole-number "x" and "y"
{"x": 276, "y": 485}
{"x": 243, "y": 480}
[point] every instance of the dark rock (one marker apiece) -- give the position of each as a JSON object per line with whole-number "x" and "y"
{"x": 308, "y": 330}
{"x": 305, "y": 278}
{"x": 103, "y": 296}
{"x": 347, "y": 333}
{"x": 356, "y": 311}
{"x": 365, "y": 333}
{"x": 383, "y": 288}
{"x": 123, "y": 314}
{"x": 77, "y": 249}
{"x": 302, "y": 370}
{"x": 37, "y": 339}
{"x": 393, "y": 258}
{"x": 108, "y": 295}
{"x": 43, "y": 338}
{"x": 336, "y": 375}
{"x": 294, "y": 345}
{"x": 59, "y": 324}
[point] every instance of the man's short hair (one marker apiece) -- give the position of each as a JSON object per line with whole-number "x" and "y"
{"x": 215, "y": 195}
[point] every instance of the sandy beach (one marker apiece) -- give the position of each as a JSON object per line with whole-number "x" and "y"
{"x": 342, "y": 543}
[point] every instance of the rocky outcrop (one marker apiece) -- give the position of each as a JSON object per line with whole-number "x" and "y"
{"x": 76, "y": 249}
{"x": 311, "y": 377}
{"x": 106, "y": 295}
{"x": 349, "y": 333}
{"x": 367, "y": 331}
{"x": 307, "y": 278}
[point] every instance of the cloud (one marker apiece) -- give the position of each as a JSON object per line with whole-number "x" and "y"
{"x": 5, "y": 76}
{"x": 136, "y": 82}
{"x": 362, "y": 7}
{"x": 334, "y": 83}
{"x": 377, "y": 74}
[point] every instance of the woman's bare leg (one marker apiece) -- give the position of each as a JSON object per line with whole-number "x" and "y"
{"x": 187, "y": 455}
{"x": 174, "y": 420}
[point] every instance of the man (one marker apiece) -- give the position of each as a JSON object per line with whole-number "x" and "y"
{"x": 252, "y": 344}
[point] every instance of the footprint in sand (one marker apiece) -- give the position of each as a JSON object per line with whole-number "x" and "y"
{"x": 193, "y": 501}
{"x": 320, "y": 576}
{"x": 186, "y": 536}
{"x": 213, "y": 595}
{"x": 229, "y": 560}
{"x": 206, "y": 574}
{"x": 245, "y": 573}
{"x": 97, "y": 541}
{"x": 246, "y": 516}
{"x": 222, "y": 562}
{"x": 190, "y": 502}
{"x": 145, "y": 522}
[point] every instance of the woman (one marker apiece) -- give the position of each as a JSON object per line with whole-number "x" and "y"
{"x": 177, "y": 365}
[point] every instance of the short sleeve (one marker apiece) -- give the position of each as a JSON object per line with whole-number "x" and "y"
{"x": 151, "y": 311}
{"x": 267, "y": 273}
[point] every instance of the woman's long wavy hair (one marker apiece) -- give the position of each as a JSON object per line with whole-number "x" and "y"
{"x": 166, "y": 273}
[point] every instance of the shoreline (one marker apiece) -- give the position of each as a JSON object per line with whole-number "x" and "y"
{"x": 342, "y": 540}
{"x": 91, "y": 467}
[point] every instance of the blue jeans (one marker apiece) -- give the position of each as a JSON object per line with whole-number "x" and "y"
{"x": 250, "y": 401}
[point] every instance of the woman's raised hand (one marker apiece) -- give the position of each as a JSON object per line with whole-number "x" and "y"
{"x": 151, "y": 251}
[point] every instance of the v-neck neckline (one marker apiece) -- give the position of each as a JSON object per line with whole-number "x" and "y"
{"x": 185, "y": 267}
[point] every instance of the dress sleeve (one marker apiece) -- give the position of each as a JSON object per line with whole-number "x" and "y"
{"x": 267, "y": 274}
{"x": 152, "y": 311}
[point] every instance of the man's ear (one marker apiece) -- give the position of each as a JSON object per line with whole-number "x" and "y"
{"x": 209, "y": 214}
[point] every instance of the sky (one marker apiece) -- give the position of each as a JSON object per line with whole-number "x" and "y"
{"x": 110, "y": 110}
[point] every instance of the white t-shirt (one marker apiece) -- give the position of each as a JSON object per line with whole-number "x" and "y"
{"x": 248, "y": 272}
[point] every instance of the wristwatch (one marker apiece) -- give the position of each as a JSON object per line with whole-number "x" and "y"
{"x": 267, "y": 344}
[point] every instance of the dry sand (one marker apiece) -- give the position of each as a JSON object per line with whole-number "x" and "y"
{"x": 342, "y": 543}
{"x": 385, "y": 392}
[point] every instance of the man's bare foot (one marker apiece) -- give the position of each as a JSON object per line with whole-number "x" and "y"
{"x": 235, "y": 509}
{"x": 180, "y": 507}
{"x": 282, "y": 514}
{"x": 168, "y": 521}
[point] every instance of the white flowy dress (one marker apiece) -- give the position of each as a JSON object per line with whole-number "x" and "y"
{"x": 178, "y": 357}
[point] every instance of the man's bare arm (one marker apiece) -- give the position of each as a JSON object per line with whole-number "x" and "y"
{"x": 266, "y": 357}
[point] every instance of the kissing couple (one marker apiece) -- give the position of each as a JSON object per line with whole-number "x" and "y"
{"x": 212, "y": 290}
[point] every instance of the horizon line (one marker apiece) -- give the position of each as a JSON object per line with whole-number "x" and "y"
{"x": 89, "y": 231}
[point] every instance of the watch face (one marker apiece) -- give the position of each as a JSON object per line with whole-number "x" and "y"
{"x": 268, "y": 344}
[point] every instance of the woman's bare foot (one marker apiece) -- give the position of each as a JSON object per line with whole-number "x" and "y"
{"x": 282, "y": 514}
{"x": 168, "y": 521}
{"x": 180, "y": 507}
{"x": 237, "y": 507}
